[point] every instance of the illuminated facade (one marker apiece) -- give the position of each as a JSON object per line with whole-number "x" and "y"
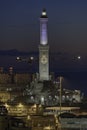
{"x": 43, "y": 48}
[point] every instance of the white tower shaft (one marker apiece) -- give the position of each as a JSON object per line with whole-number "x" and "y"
{"x": 43, "y": 48}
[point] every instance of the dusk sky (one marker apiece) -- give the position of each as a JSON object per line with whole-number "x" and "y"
{"x": 67, "y": 25}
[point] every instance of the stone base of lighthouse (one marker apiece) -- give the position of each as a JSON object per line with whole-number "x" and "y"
{"x": 43, "y": 62}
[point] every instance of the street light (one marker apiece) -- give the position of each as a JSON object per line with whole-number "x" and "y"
{"x": 28, "y": 60}
{"x": 18, "y": 58}
{"x": 79, "y": 57}
{"x": 60, "y": 93}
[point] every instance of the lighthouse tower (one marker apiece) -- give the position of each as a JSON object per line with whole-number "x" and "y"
{"x": 43, "y": 48}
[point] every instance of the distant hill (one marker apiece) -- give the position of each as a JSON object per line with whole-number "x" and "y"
{"x": 15, "y": 52}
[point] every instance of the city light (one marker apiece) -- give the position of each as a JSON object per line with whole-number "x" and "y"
{"x": 79, "y": 57}
{"x": 28, "y": 117}
{"x": 18, "y": 58}
{"x": 20, "y": 105}
{"x": 32, "y": 58}
{"x": 6, "y": 105}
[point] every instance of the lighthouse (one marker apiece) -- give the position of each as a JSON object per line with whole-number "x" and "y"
{"x": 43, "y": 48}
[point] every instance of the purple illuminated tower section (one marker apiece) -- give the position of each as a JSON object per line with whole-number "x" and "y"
{"x": 43, "y": 28}
{"x": 43, "y": 48}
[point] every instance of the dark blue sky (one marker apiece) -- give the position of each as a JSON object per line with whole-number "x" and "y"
{"x": 67, "y": 25}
